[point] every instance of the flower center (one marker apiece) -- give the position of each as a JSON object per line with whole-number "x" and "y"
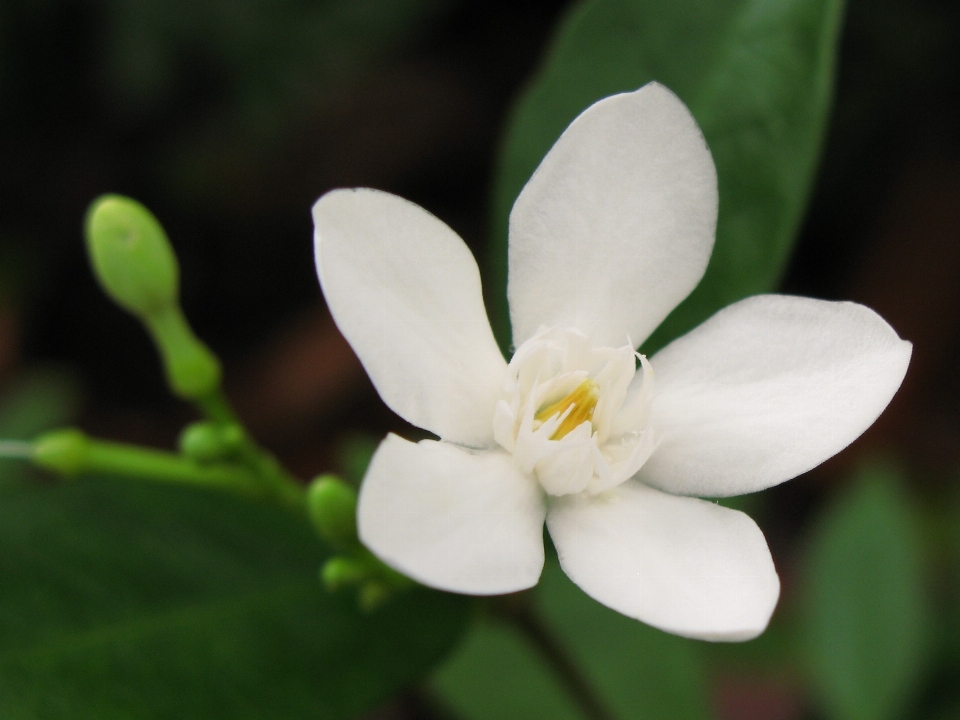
{"x": 574, "y": 415}
{"x": 578, "y": 407}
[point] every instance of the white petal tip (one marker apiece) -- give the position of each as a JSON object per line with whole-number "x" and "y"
{"x": 452, "y": 520}
{"x": 683, "y": 565}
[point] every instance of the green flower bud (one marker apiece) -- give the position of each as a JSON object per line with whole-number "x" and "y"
{"x": 332, "y": 505}
{"x": 208, "y": 442}
{"x": 136, "y": 267}
{"x": 373, "y": 594}
{"x": 340, "y": 572}
{"x": 131, "y": 255}
{"x": 62, "y": 451}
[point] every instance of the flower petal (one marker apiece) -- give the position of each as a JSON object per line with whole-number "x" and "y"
{"x": 616, "y": 226}
{"x": 683, "y": 565}
{"x": 405, "y": 292}
{"x": 766, "y": 389}
{"x": 468, "y": 523}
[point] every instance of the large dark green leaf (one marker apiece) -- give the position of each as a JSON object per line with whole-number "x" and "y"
{"x": 865, "y": 608}
{"x": 497, "y": 674}
{"x": 127, "y": 601}
{"x": 756, "y": 75}
{"x": 636, "y": 672}
{"x": 640, "y": 672}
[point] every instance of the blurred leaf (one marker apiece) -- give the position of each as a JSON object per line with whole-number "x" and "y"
{"x": 636, "y": 671}
{"x": 497, "y": 675}
{"x": 354, "y": 452}
{"x": 756, "y": 75}
{"x": 949, "y": 712}
{"x": 866, "y": 610}
{"x": 640, "y": 672}
{"x": 774, "y": 654}
{"x": 134, "y": 601}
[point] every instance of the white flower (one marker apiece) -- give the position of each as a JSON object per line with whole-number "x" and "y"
{"x": 613, "y": 230}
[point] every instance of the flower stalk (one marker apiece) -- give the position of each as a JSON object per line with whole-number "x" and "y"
{"x": 71, "y": 453}
{"x": 518, "y": 610}
{"x": 136, "y": 266}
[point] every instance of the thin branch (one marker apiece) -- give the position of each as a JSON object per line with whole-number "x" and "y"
{"x": 16, "y": 449}
{"x": 518, "y": 610}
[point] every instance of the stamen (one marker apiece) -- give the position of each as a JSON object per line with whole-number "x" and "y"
{"x": 578, "y": 406}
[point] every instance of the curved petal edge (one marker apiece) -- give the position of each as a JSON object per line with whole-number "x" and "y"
{"x": 767, "y": 389}
{"x": 683, "y": 565}
{"x": 405, "y": 292}
{"x": 452, "y": 519}
{"x": 617, "y": 224}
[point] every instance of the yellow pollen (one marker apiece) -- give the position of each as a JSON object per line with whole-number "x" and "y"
{"x": 584, "y": 401}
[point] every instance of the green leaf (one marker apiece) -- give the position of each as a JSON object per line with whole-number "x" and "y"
{"x": 639, "y": 672}
{"x": 636, "y": 672}
{"x": 757, "y": 76}
{"x": 497, "y": 674}
{"x": 134, "y": 601}
{"x": 865, "y": 611}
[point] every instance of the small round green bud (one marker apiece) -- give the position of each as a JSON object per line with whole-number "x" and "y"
{"x": 332, "y": 505}
{"x": 62, "y": 451}
{"x": 131, "y": 255}
{"x": 373, "y": 594}
{"x": 340, "y": 572}
{"x": 208, "y": 442}
{"x": 232, "y": 436}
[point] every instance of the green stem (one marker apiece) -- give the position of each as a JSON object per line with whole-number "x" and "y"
{"x": 217, "y": 408}
{"x": 191, "y": 367}
{"x": 133, "y": 461}
{"x": 70, "y": 452}
{"x": 518, "y": 610}
{"x": 20, "y": 449}
{"x": 261, "y": 463}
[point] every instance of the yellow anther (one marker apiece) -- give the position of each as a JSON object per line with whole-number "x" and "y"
{"x": 584, "y": 401}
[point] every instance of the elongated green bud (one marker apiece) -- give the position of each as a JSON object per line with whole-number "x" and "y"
{"x": 332, "y": 505}
{"x": 137, "y": 268}
{"x": 131, "y": 255}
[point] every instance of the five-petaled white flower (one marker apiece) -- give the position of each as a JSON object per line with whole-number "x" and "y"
{"x": 613, "y": 230}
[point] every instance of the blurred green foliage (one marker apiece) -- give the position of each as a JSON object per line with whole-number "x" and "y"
{"x": 132, "y": 601}
{"x": 637, "y": 672}
{"x": 126, "y": 600}
{"x": 867, "y": 613}
{"x": 496, "y": 673}
{"x": 758, "y": 78}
